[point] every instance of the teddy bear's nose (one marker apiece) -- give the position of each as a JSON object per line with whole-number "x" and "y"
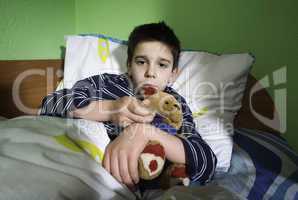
{"x": 167, "y": 106}
{"x": 176, "y": 106}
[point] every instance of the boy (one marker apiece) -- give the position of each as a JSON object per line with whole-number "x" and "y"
{"x": 153, "y": 54}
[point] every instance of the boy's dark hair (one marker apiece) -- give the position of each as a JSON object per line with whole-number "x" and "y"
{"x": 154, "y": 32}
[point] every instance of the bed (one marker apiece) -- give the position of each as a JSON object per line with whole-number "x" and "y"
{"x": 33, "y": 166}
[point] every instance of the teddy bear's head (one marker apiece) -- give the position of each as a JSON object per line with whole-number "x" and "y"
{"x": 167, "y": 106}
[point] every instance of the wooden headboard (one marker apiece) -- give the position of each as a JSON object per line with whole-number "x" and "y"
{"x": 40, "y": 77}
{"x": 37, "y": 77}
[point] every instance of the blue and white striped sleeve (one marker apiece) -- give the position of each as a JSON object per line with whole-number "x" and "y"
{"x": 200, "y": 159}
{"x": 60, "y": 103}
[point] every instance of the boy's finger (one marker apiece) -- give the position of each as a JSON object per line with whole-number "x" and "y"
{"x": 146, "y": 102}
{"x": 140, "y": 119}
{"x": 137, "y": 108}
{"x": 124, "y": 173}
{"x": 106, "y": 162}
{"x": 133, "y": 168}
{"x": 114, "y": 167}
{"x": 136, "y": 118}
{"x": 141, "y": 110}
{"x": 126, "y": 122}
{"x": 149, "y": 118}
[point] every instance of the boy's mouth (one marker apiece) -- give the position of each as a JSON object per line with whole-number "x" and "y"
{"x": 146, "y": 90}
{"x": 149, "y": 89}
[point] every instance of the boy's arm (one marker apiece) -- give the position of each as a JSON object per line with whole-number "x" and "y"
{"x": 173, "y": 146}
{"x": 95, "y": 110}
{"x": 191, "y": 150}
{"x": 200, "y": 159}
{"x": 57, "y": 103}
{"x": 61, "y": 103}
{"x": 99, "y": 99}
{"x": 122, "y": 111}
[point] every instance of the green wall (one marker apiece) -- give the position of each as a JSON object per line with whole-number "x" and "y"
{"x": 34, "y": 29}
{"x": 267, "y": 28}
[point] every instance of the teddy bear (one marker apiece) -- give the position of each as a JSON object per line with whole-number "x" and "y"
{"x": 152, "y": 159}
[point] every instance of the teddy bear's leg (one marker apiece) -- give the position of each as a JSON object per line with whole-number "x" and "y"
{"x": 175, "y": 174}
{"x": 151, "y": 161}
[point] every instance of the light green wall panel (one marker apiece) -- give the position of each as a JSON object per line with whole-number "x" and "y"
{"x": 115, "y": 18}
{"x": 34, "y": 29}
{"x": 266, "y": 28}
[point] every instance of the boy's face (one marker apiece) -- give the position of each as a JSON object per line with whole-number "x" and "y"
{"x": 152, "y": 66}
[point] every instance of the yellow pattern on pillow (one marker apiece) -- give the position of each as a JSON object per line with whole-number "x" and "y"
{"x": 103, "y": 49}
{"x": 200, "y": 112}
{"x": 80, "y": 146}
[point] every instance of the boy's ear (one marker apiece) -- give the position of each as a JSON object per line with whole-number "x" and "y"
{"x": 175, "y": 74}
{"x": 128, "y": 67}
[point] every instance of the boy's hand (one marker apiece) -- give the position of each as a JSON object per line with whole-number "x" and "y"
{"x": 121, "y": 155}
{"x": 127, "y": 110}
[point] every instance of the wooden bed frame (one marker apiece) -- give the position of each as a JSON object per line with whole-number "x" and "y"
{"x": 35, "y": 84}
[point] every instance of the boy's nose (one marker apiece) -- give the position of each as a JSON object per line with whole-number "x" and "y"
{"x": 150, "y": 72}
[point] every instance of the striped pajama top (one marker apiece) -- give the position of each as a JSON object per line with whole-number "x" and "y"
{"x": 200, "y": 159}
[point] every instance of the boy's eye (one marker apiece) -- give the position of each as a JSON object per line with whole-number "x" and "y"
{"x": 140, "y": 62}
{"x": 163, "y": 65}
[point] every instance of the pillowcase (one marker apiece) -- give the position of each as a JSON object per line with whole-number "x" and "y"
{"x": 91, "y": 136}
{"x": 88, "y": 55}
{"x": 212, "y": 85}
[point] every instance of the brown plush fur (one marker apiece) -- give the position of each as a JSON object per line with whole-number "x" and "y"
{"x": 167, "y": 106}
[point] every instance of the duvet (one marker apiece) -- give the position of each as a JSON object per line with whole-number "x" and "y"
{"x": 53, "y": 158}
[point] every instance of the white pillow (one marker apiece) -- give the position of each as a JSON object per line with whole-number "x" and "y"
{"x": 91, "y": 136}
{"x": 203, "y": 76}
{"x": 91, "y": 55}
{"x": 213, "y": 86}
